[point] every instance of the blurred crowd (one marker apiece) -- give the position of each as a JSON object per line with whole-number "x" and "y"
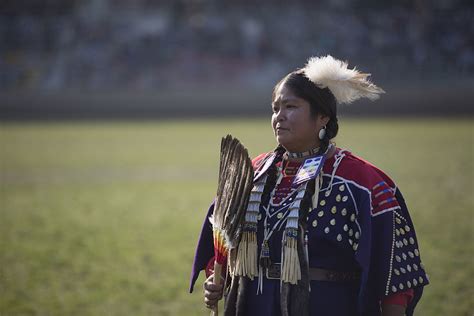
{"x": 139, "y": 44}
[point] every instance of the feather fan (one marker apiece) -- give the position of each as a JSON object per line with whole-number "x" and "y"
{"x": 233, "y": 191}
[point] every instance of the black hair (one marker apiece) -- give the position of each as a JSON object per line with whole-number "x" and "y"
{"x": 272, "y": 175}
{"x": 321, "y": 101}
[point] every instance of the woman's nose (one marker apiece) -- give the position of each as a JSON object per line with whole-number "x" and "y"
{"x": 279, "y": 115}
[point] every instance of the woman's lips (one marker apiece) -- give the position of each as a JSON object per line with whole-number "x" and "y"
{"x": 281, "y": 129}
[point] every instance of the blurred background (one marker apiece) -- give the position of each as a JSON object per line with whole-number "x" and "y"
{"x": 111, "y": 114}
{"x": 188, "y": 57}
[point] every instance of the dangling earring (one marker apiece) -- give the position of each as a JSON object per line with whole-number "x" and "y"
{"x": 322, "y": 133}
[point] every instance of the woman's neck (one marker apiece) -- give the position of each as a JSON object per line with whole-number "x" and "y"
{"x": 301, "y": 156}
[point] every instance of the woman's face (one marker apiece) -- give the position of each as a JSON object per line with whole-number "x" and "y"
{"x": 294, "y": 127}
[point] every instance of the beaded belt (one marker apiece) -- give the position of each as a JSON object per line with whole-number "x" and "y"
{"x": 317, "y": 274}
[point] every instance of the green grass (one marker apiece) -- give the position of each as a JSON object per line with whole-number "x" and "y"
{"x": 103, "y": 218}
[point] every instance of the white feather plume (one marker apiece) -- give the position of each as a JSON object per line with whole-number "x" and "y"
{"x": 347, "y": 85}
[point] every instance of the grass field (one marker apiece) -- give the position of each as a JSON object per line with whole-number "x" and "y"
{"x": 103, "y": 218}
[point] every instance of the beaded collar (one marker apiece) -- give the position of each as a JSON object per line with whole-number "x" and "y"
{"x": 304, "y": 154}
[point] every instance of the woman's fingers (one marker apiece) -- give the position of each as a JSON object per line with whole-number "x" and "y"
{"x": 210, "y": 286}
{"x": 212, "y": 292}
{"x": 211, "y": 298}
{"x": 210, "y": 303}
{"x": 213, "y": 295}
{"x": 213, "y": 287}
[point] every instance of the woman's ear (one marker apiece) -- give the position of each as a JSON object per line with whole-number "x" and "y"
{"x": 323, "y": 119}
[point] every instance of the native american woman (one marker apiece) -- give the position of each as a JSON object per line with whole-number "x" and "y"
{"x": 325, "y": 232}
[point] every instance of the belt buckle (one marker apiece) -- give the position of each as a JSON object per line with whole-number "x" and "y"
{"x": 273, "y": 272}
{"x": 331, "y": 276}
{"x": 340, "y": 276}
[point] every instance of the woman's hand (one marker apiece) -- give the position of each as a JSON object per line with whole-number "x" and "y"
{"x": 393, "y": 310}
{"x": 212, "y": 292}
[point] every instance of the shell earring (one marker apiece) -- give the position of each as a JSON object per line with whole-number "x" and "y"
{"x": 322, "y": 133}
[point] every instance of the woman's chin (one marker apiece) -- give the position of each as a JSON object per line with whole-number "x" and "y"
{"x": 283, "y": 141}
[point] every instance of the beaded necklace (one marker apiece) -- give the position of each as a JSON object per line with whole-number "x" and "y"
{"x": 304, "y": 154}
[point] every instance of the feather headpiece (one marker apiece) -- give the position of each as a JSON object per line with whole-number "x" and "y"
{"x": 347, "y": 85}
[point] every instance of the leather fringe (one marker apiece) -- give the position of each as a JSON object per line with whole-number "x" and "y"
{"x": 246, "y": 261}
{"x": 294, "y": 298}
{"x": 290, "y": 268}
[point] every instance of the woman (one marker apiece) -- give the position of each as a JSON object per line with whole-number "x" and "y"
{"x": 332, "y": 232}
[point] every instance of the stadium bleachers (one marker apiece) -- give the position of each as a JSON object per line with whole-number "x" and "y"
{"x": 143, "y": 45}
